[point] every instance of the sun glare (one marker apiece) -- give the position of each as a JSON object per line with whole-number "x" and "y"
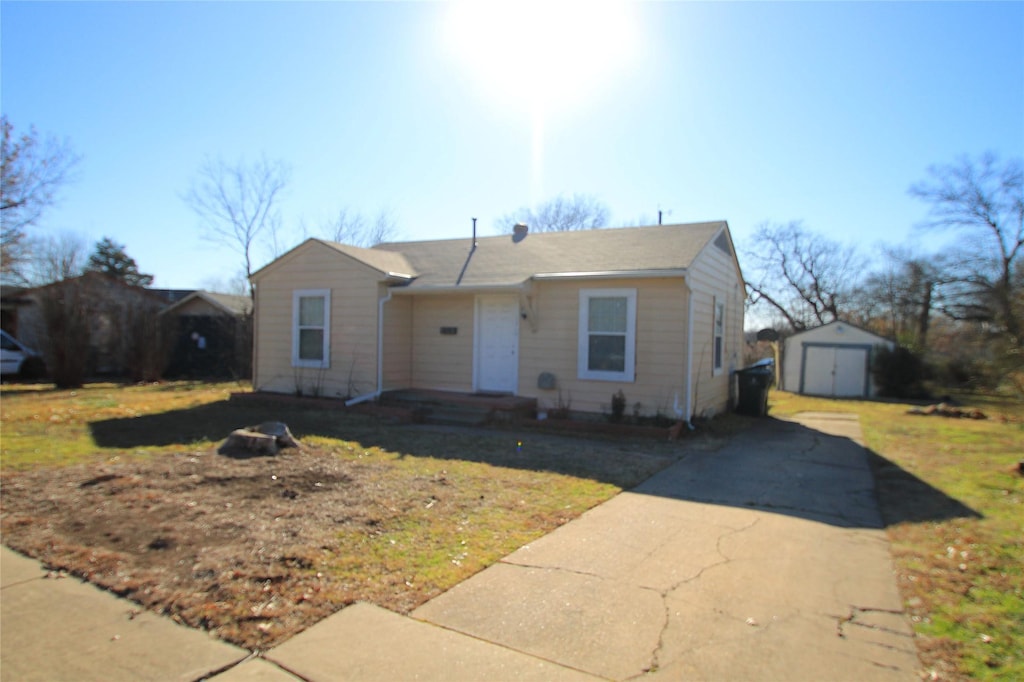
{"x": 553, "y": 53}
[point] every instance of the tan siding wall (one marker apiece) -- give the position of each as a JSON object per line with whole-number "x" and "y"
{"x": 398, "y": 342}
{"x": 439, "y": 361}
{"x": 353, "y": 350}
{"x": 713, "y": 276}
{"x": 660, "y": 347}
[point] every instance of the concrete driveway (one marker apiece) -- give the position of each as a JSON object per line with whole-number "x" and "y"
{"x": 764, "y": 560}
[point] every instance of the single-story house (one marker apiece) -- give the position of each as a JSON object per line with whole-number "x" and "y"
{"x": 212, "y": 335}
{"x": 831, "y": 360}
{"x": 567, "y": 318}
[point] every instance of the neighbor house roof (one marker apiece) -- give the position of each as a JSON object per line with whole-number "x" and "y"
{"x": 230, "y": 304}
{"x": 510, "y": 260}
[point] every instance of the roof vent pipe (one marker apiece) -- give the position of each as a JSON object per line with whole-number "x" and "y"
{"x": 474, "y": 233}
{"x": 519, "y": 231}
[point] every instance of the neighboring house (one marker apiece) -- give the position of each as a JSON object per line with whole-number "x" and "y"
{"x": 831, "y": 360}
{"x": 12, "y": 300}
{"x": 124, "y": 328}
{"x": 568, "y": 318}
{"x": 212, "y": 335}
{"x": 113, "y": 311}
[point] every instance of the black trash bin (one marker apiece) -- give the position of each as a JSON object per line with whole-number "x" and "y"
{"x": 754, "y": 382}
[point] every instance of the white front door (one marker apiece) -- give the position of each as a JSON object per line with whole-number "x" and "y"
{"x": 497, "y": 343}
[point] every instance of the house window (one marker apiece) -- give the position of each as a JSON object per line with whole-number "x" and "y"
{"x": 607, "y": 334}
{"x": 719, "y": 341}
{"x": 311, "y": 328}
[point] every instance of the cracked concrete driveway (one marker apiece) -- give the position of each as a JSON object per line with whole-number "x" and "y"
{"x": 763, "y": 560}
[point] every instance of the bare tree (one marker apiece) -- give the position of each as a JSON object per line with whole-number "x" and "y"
{"x": 804, "y": 277}
{"x": 54, "y": 257}
{"x": 983, "y": 201}
{"x": 235, "y": 285}
{"x": 352, "y": 227}
{"x": 67, "y": 311}
{"x": 561, "y": 214}
{"x": 31, "y": 172}
{"x": 902, "y": 296}
{"x": 237, "y": 203}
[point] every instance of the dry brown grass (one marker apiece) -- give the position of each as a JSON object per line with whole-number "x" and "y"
{"x": 123, "y": 487}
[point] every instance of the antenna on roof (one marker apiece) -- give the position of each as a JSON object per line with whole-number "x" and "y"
{"x": 469, "y": 256}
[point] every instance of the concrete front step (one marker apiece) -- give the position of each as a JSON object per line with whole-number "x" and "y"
{"x": 460, "y": 409}
{"x": 457, "y": 416}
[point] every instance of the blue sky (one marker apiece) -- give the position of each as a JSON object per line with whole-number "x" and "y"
{"x": 749, "y": 112}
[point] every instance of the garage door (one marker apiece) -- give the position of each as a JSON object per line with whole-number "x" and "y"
{"x": 839, "y": 371}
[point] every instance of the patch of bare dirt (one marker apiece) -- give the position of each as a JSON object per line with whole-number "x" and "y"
{"x": 225, "y": 544}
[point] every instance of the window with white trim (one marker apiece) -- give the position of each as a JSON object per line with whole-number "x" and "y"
{"x": 311, "y": 328}
{"x": 719, "y": 338}
{"x": 607, "y": 334}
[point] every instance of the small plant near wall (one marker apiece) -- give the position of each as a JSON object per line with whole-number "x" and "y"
{"x": 618, "y": 406}
{"x": 562, "y": 408}
{"x": 316, "y": 387}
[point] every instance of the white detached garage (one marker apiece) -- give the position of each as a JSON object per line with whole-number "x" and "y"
{"x": 831, "y": 360}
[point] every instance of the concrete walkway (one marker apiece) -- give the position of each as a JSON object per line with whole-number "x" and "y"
{"x": 765, "y": 560}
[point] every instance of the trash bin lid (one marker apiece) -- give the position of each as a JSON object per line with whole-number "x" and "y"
{"x": 759, "y": 367}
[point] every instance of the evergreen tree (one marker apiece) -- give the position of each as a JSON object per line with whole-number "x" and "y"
{"x": 110, "y": 258}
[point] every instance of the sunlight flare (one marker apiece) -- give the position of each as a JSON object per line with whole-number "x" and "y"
{"x": 557, "y": 52}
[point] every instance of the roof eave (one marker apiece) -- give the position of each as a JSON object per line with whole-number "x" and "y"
{"x": 613, "y": 274}
{"x": 458, "y": 289}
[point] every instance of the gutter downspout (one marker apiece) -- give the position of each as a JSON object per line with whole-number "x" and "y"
{"x": 255, "y": 339}
{"x": 688, "y": 403}
{"x": 380, "y": 357}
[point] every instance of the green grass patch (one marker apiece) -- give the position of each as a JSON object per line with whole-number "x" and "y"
{"x": 961, "y": 579}
{"x": 42, "y": 426}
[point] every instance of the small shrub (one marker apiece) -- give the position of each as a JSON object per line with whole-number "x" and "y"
{"x": 968, "y": 374}
{"x": 66, "y": 312}
{"x": 618, "y": 406}
{"x": 899, "y": 373}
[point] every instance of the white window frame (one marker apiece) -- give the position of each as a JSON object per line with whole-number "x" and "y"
{"x": 583, "y": 345}
{"x": 325, "y": 360}
{"x": 717, "y": 336}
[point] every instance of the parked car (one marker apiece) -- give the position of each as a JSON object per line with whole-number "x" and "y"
{"x": 17, "y": 359}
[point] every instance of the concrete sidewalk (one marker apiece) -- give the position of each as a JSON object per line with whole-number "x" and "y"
{"x": 764, "y": 560}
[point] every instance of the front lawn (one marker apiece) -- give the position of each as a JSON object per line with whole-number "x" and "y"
{"x": 123, "y": 486}
{"x": 961, "y": 575}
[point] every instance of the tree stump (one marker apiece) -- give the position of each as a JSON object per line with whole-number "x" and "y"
{"x": 266, "y": 439}
{"x": 279, "y": 430}
{"x": 244, "y": 440}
